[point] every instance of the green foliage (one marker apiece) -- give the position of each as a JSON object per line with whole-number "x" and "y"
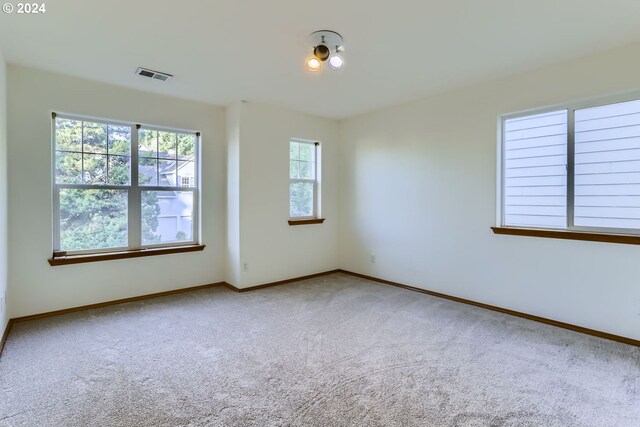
{"x": 119, "y": 170}
{"x": 94, "y": 138}
{"x": 186, "y": 146}
{"x": 167, "y": 144}
{"x": 68, "y": 167}
{"x": 92, "y": 219}
{"x": 301, "y": 199}
{"x": 68, "y": 135}
{"x": 150, "y": 212}
{"x": 95, "y": 169}
{"x": 147, "y": 143}
{"x": 120, "y": 140}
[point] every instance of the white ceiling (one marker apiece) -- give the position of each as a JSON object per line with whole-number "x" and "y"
{"x": 221, "y": 51}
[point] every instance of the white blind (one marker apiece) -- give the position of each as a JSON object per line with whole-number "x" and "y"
{"x": 607, "y": 166}
{"x": 535, "y": 172}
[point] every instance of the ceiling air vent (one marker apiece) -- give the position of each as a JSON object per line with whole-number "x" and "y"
{"x": 145, "y": 72}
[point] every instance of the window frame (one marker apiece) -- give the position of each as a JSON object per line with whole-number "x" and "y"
{"x": 315, "y": 181}
{"x": 134, "y": 189}
{"x": 571, "y": 108}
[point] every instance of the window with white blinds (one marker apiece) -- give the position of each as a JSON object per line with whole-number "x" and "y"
{"x": 607, "y": 166}
{"x": 535, "y": 170}
{"x": 575, "y": 168}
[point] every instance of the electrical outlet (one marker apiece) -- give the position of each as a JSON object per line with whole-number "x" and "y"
{"x": 373, "y": 258}
{"x": 245, "y": 267}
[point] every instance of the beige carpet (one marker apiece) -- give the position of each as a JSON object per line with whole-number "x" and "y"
{"x": 332, "y": 351}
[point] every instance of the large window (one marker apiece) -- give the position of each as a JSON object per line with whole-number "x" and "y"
{"x": 303, "y": 179}
{"x": 122, "y": 186}
{"x": 575, "y": 168}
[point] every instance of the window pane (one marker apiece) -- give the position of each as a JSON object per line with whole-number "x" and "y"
{"x": 147, "y": 143}
{"x": 294, "y": 150}
{"x": 535, "y": 172}
{"x": 186, "y": 227}
{"x": 94, "y": 137}
{"x": 119, "y": 170}
{"x": 167, "y": 174}
{"x": 167, "y": 145}
{"x": 301, "y": 199}
{"x": 294, "y": 169}
{"x": 167, "y": 217}
{"x": 93, "y": 219}
{"x": 68, "y": 135}
{"x": 306, "y": 170}
{"x": 119, "y": 140}
{"x": 186, "y": 146}
{"x": 186, "y": 174}
{"x": 147, "y": 171}
{"x": 95, "y": 169}
{"x": 68, "y": 168}
{"x": 307, "y": 152}
{"x": 607, "y": 166}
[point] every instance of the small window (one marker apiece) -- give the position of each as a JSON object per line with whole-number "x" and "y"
{"x": 574, "y": 168}
{"x": 303, "y": 179}
{"x": 115, "y": 183}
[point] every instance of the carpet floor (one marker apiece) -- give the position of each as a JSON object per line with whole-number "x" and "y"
{"x": 330, "y": 351}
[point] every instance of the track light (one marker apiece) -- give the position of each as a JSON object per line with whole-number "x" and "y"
{"x": 326, "y": 46}
{"x": 313, "y": 64}
{"x": 321, "y": 52}
{"x": 336, "y": 62}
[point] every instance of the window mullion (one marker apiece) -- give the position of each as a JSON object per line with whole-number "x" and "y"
{"x": 571, "y": 151}
{"x": 134, "y": 211}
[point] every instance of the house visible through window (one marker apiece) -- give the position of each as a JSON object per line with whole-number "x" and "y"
{"x": 303, "y": 179}
{"x": 575, "y": 168}
{"x": 121, "y": 186}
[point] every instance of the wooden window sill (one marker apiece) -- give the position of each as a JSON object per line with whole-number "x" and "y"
{"x": 627, "y": 239}
{"x": 107, "y": 256}
{"x": 306, "y": 221}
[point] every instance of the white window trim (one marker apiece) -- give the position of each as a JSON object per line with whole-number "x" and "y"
{"x": 315, "y": 181}
{"x": 571, "y": 107}
{"x": 134, "y": 208}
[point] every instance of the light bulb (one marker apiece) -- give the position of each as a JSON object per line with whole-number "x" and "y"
{"x": 313, "y": 64}
{"x": 336, "y": 62}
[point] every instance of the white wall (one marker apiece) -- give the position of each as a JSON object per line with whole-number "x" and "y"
{"x": 272, "y": 249}
{"x": 419, "y": 192}
{"x": 4, "y": 310}
{"x": 35, "y": 286}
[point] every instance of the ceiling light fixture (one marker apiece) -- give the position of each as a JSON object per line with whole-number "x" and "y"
{"x": 326, "y": 46}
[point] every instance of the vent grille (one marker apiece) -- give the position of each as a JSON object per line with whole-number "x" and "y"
{"x": 157, "y": 75}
